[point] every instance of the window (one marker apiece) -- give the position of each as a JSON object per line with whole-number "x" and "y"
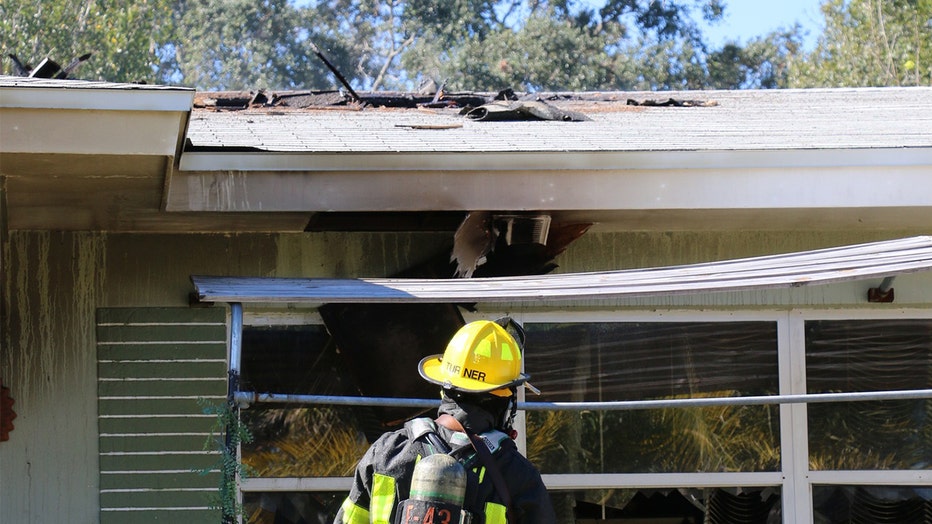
{"x": 869, "y": 355}
{"x": 681, "y": 505}
{"x": 672, "y": 463}
{"x": 900, "y": 504}
{"x": 610, "y": 361}
{"x": 298, "y": 440}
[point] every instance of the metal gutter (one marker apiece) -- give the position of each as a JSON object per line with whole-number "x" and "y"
{"x": 540, "y": 187}
{"x": 44, "y": 116}
{"x": 513, "y": 160}
{"x": 32, "y": 93}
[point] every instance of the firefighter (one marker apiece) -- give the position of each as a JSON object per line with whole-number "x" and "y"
{"x": 478, "y": 373}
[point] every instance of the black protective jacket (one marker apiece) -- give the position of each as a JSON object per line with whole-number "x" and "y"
{"x": 394, "y": 454}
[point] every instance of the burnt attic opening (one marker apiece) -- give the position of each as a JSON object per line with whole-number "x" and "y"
{"x": 481, "y": 243}
{"x": 385, "y": 221}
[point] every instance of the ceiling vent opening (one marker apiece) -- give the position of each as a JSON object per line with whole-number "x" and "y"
{"x": 523, "y": 229}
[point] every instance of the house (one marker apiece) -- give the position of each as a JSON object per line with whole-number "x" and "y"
{"x": 124, "y": 205}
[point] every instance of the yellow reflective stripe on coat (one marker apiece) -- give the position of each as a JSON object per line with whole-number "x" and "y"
{"x": 480, "y": 472}
{"x": 383, "y": 499}
{"x": 495, "y": 513}
{"x": 353, "y": 514}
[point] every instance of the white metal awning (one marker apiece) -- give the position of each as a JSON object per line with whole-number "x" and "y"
{"x": 857, "y": 262}
{"x": 823, "y": 266}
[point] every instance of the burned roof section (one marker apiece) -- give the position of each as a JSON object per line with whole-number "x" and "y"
{"x": 576, "y": 103}
{"x": 504, "y": 105}
{"x": 480, "y": 106}
{"x": 48, "y": 68}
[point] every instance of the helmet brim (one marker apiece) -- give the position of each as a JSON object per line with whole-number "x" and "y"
{"x": 430, "y": 369}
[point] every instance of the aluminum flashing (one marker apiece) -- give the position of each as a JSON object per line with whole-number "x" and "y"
{"x": 857, "y": 262}
{"x": 48, "y": 94}
{"x": 554, "y": 189}
{"x": 549, "y": 158}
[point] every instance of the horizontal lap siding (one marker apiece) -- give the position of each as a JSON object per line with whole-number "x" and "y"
{"x": 153, "y": 365}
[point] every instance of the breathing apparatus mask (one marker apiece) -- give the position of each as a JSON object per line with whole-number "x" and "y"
{"x": 503, "y": 409}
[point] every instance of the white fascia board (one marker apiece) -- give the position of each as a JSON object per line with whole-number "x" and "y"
{"x": 91, "y": 132}
{"x": 104, "y": 99}
{"x": 869, "y": 187}
{"x": 550, "y": 160}
{"x": 578, "y": 180}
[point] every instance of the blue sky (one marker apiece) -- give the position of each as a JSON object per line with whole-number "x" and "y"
{"x": 745, "y": 19}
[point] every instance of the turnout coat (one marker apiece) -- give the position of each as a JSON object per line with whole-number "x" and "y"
{"x": 383, "y": 475}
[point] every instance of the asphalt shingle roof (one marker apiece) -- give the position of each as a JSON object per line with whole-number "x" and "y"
{"x": 729, "y": 120}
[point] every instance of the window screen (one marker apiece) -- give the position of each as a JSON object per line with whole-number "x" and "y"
{"x": 869, "y": 355}
{"x": 653, "y": 360}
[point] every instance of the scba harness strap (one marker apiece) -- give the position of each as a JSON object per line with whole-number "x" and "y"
{"x": 425, "y": 428}
{"x": 484, "y": 447}
{"x": 484, "y": 444}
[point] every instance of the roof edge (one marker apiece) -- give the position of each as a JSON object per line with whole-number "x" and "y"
{"x": 595, "y": 160}
{"x": 36, "y": 93}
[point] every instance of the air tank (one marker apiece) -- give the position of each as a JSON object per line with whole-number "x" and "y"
{"x": 439, "y": 478}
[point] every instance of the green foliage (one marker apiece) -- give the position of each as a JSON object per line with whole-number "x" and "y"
{"x": 870, "y": 435}
{"x": 543, "y": 54}
{"x": 666, "y": 20}
{"x": 763, "y": 63}
{"x": 302, "y": 442}
{"x": 242, "y": 45}
{"x": 123, "y": 35}
{"x": 487, "y": 45}
{"x": 394, "y": 44}
{"x": 669, "y": 64}
{"x": 374, "y": 35}
{"x": 718, "y": 438}
{"x": 566, "y": 46}
{"x": 226, "y": 435}
{"x": 870, "y": 43}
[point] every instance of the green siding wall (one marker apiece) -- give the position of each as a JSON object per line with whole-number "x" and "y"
{"x": 153, "y": 365}
{"x": 55, "y": 282}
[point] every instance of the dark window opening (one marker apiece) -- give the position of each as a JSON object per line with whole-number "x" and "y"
{"x": 869, "y": 355}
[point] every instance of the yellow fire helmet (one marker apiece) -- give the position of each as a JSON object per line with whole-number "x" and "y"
{"x": 482, "y": 357}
